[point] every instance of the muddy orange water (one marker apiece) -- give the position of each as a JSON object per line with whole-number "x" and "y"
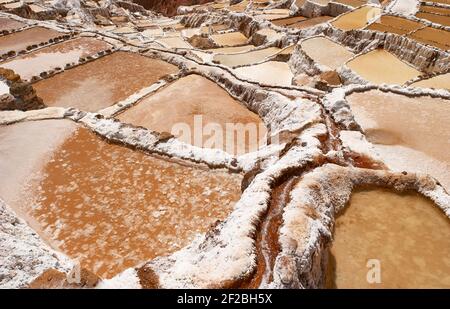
{"x": 178, "y": 103}
{"x": 54, "y": 56}
{"x": 20, "y": 40}
{"x": 10, "y": 24}
{"x": 406, "y": 233}
{"x": 415, "y": 139}
{"x": 379, "y": 66}
{"x": 112, "y": 207}
{"x": 103, "y": 82}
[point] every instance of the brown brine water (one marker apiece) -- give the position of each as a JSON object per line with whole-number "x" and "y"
{"x": 404, "y": 236}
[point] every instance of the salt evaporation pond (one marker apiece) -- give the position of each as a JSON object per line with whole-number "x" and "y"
{"x": 233, "y": 60}
{"x": 438, "y": 82}
{"x": 229, "y": 39}
{"x": 406, "y": 233}
{"x": 326, "y": 52}
{"x": 103, "y": 82}
{"x": 356, "y": 19}
{"x": 379, "y": 66}
{"x": 269, "y": 73}
{"x": 109, "y": 206}
{"x": 55, "y": 56}
{"x": 415, "y": 139}
{"x": 10, "y": 24}
{"x": 20, "y": 40}
{"x": 178, "y": 104}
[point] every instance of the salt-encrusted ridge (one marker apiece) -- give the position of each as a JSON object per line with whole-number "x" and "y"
{"x": 309, "y": 217}
{"x": 23, "y": 254}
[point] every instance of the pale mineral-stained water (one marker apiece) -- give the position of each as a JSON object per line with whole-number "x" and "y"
{"x": 103, "y": 82}
{"x": 415, "y": 139}
{"x": 326, "y": 52}
{"x": 21, "y": 40}
{"x": 55, "y": 56}
{"x": 194, "y": 109}
{"x": 379, "y": 66}
{"x": 441, "y": 81}
{"x": 269, "y": 73}
{"x": 384, "y": 239}
{"x": 356, "y": 19}
{"x": 251, "y": 57}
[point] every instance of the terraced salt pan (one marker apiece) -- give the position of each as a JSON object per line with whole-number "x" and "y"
{"x": 356, "y": 19}
{"x": 406, "y": 233}
{"x": 439, "y": 82}
{"x": 232, "y": 50}
{"x": 288, "y": 21}
{"x": 310, "y": 22}
{"x": 263, "y": 17}
{"x": 269, "y": 73}
{"x": 20, "y": 40}
{"x": 415, "y": 139}
{"x": 54, "y": 56}
{"x": 194, "y": 95}
{"x": 435, "y": 18}
{"x": 175, "y": 42}
{"x": 24, "y": 147}
{"x": 229, "y": 39}
{"x": 379, "y": 66}
{"x": 10, "y": 24}
{"x": 395, "y": 24}
{"x": 435, "y": 37}
{"x": 112, "y": 207}
{"x": 326, "y": 52}
{"x": 103, "y": 82}
{"x": 233, "y": 60}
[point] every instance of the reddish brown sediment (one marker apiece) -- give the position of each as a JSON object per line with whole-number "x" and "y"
{"x": 55, "y": 56}
{"x": 7, "y": 24}
{"x": 103, "y": 82}
{"x": 54, "y": 279}
{"x": 83, "y": 204}
{"x": 147, "y": 278}
{"x": 21, "y": 40}
{"x": 267, "y": 246}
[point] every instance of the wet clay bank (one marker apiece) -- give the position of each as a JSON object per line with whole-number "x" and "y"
{"x": 111, "y": 207}
{"x": 404, "y": 236}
